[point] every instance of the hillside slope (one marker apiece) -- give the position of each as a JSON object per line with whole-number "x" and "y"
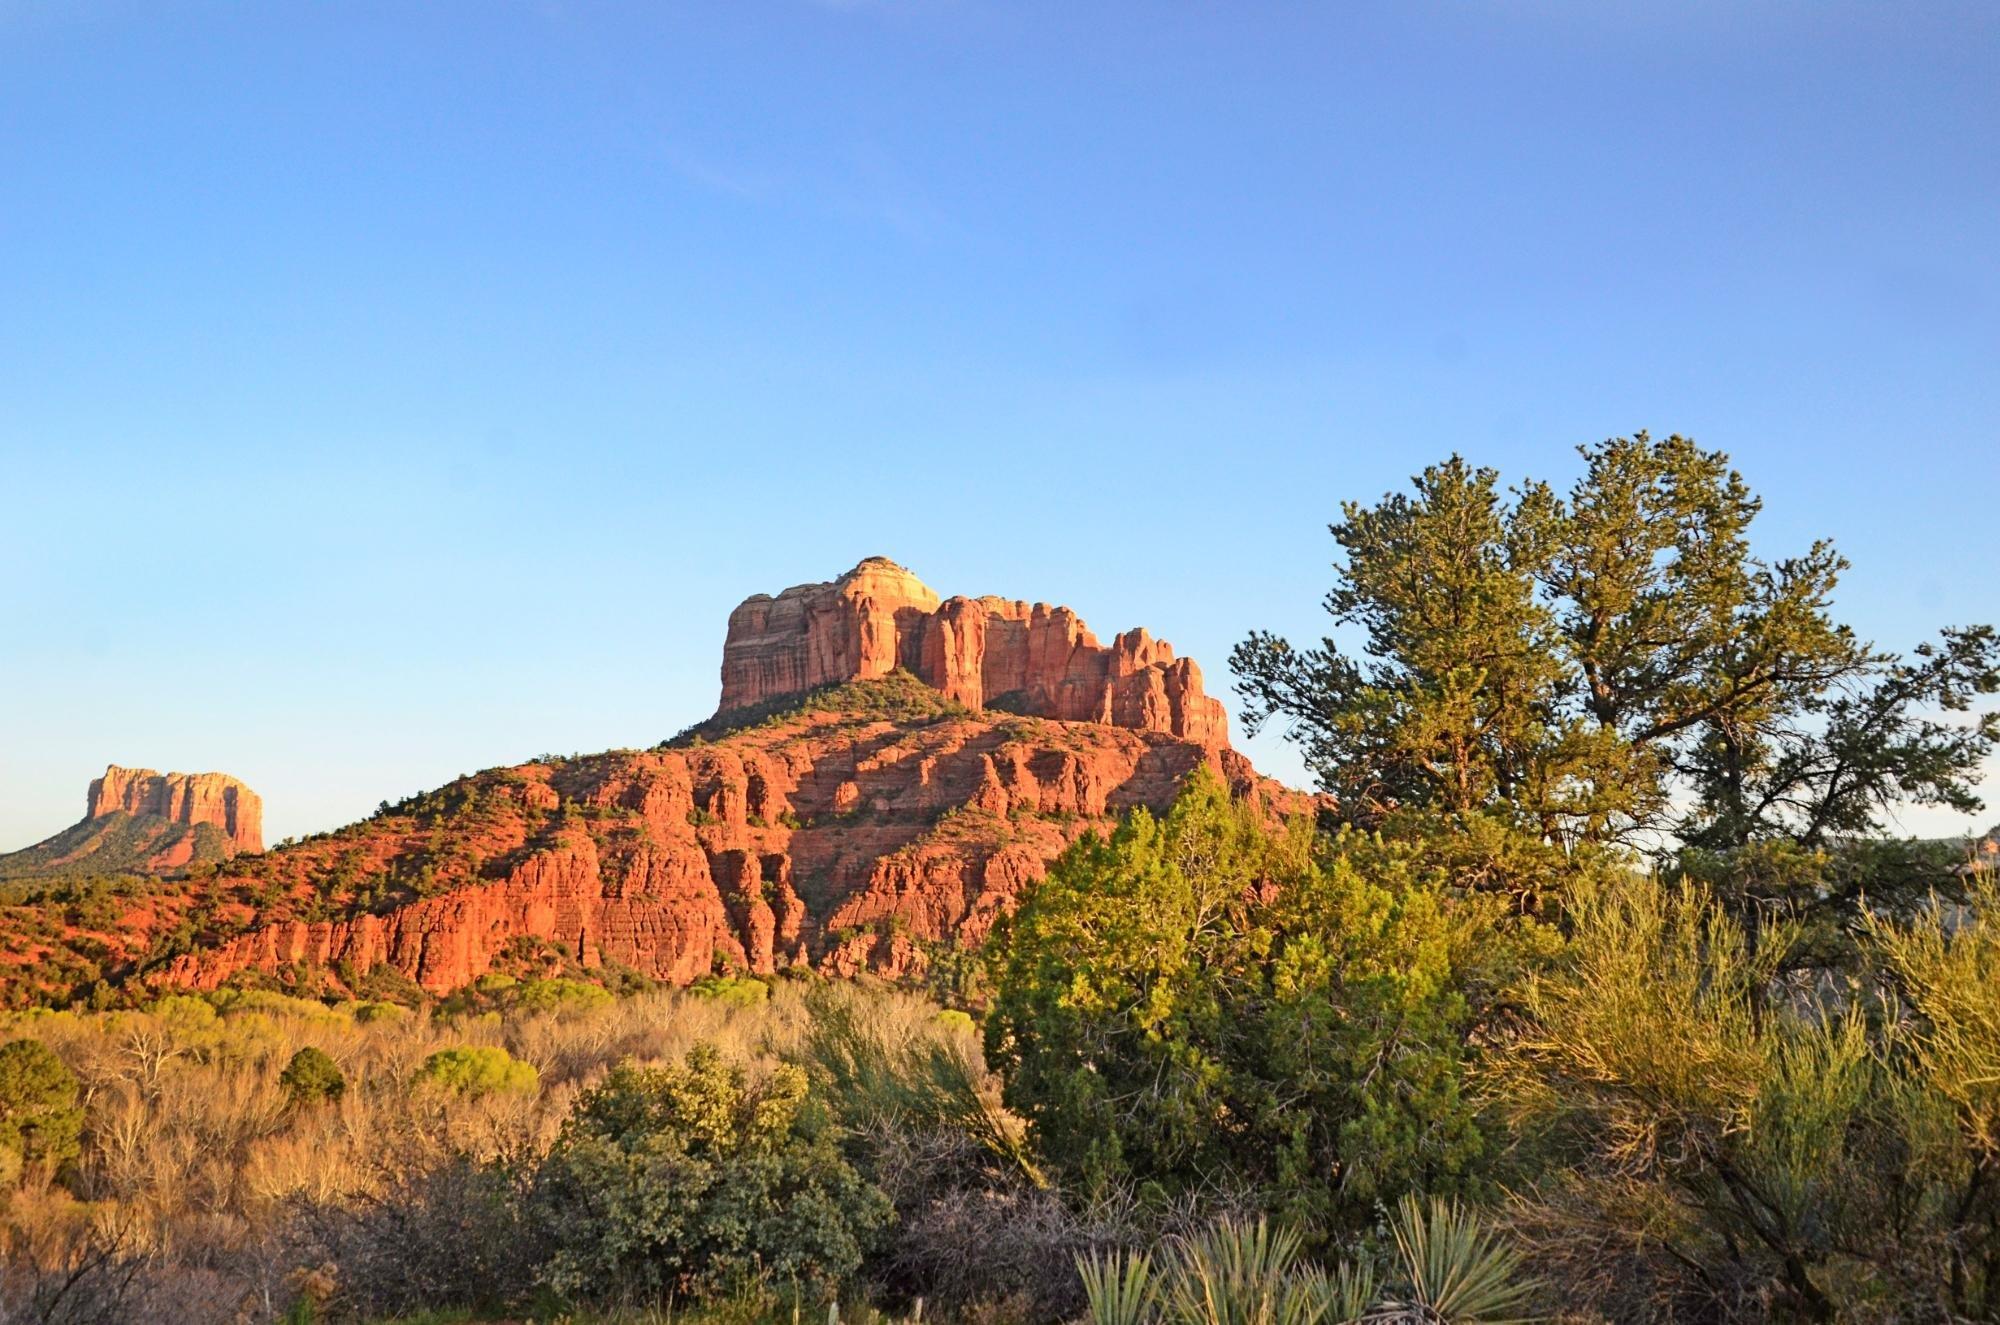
{"x": 137, "y": 821}
{"x": 872, "y": 827}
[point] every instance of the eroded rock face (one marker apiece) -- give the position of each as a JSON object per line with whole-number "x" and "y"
{"x": 182, "y": 798}
{"x": 838, "y": 840}
{"x": 817, "y": 634}
{"x": 982, "y": 652}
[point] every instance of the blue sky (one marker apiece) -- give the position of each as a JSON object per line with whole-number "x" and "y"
{"x": 392, "y": 390}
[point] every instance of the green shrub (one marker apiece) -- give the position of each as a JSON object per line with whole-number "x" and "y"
{"x": 40, "y": 1121}
{"x": 478, "y": 1071}
{"x": 694, "y": 1181}
{"x": 312, "y": 1077}
{"x": 1163, "y": 1014}
{"x": 560, "y": 995}
{"x": 736, "y": 991}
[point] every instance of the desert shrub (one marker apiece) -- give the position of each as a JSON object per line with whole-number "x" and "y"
{"x": 738, "y": 991}
{"x": 1209, "y": 995}
{"x": 185, "y": 1014}
{"x": 1451, "y": 1266}
{"x": 1725, "y": 1142}
{"x": 696, "y": 1181}
{"x": 893, "y": 1067}
{"x": 40, "y": 1122}
{"x": 975, "y": 1222}
{"x": 1234, "y": 1274}
{"x": 477, "y": 1070}
{"x": 965, "y": 1246}
{"x": 561, "y": 995}
{"x": 95, "y": 1277}
{"x": 312, "y": 1077}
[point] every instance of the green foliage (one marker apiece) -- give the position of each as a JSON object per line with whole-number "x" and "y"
{"x": 1594, "y": 668}
{"x": 1948, "y": 974}
{"x": 376, "y": 1011}
{"x": 1451, "y": 1268}
{"x": 1206, "y": 997}
{"x": 468, "y": 1070}
{"x": 1772, "y": 1143}
{"x": 736, "y": 991}
{"x": 696, "y": 1181}
{"x": 886, "y": 1077}
{"x": 40, "y": 1120}
{"x": 116, "y": 846}
{"x": 1455, "y": 1268}
{"x": 1119, "y": 1289}
{"x": 1242, "y": 1274}
{"x": 312, "y": 1077}
{"x": 898, "y": 697}
{"x": 560, "y": 995}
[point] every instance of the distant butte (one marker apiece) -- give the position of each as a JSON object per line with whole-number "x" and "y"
{"x": 182, "y": 798}
{"x": 138, "y": 821}
{"x": 1029, "y": 659}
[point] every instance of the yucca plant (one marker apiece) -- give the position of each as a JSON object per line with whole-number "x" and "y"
{"x": 1243, "y": 1274}
{"x": 1121, "y": 1288}
{"x": 1457, "y": 1271}
{"x": 1348, "y": 1291}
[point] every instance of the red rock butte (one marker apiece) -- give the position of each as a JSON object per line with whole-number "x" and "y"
{"x": 1030, "y": 659}
{"x": 182, "y": 798}
{"x": 950, "y": 750}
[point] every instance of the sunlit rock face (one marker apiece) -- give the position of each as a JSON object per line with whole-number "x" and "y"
{"x": 182, "y": 798}
{"x": 1026, "y": 658}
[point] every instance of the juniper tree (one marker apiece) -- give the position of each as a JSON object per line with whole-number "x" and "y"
{"x": 1616, "y": 665}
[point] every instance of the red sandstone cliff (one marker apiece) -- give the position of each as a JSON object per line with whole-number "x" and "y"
{"x": 1024, "y": 658}
{"x": 182, "y": 798}
{"x": 843, "y": 840}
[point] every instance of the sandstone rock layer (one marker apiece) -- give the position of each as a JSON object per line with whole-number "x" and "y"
{"x": 1024, "y": 658}
{"x": 182, "y": 798}
{"x": 843, "y": 841}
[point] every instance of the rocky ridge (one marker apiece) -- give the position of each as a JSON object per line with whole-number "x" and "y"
{"x": 861, "y": 832}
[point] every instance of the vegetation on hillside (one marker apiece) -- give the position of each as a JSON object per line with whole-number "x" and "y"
{"x": 115, "y": 843}
{"x": 898, "y": 697}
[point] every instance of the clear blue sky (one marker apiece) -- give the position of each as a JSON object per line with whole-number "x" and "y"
{"x": 390, "y": 390}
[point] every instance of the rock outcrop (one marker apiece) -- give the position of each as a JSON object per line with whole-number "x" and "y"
{"x": 137, "y": 821}
{"x": 842, "y": 840}
{"x": 1023, "y": 658}
{"x": 182, "y": 798}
